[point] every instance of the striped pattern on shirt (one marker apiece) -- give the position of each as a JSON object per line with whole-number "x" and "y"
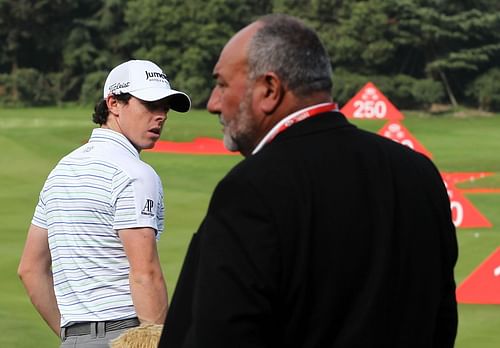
{"x": 94, "y": 191}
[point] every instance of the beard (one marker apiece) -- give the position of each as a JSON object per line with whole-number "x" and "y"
{"x": 239, "y": 133}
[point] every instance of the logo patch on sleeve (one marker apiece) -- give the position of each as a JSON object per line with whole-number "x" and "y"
{"x": 148, "y": 208}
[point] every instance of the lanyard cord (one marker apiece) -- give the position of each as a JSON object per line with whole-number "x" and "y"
{"x": 292, "y": 119}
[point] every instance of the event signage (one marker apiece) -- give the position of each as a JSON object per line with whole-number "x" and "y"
{"x": 482, "y": 286}
{"x": 397, "y": 132}
{"x": 370, "y": 103}
{"x": 464, "y": 213}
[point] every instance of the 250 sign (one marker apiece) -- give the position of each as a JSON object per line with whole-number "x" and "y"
{"x": 369, "y": 109}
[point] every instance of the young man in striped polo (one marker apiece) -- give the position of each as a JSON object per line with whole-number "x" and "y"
{"x": 90, "y": 263}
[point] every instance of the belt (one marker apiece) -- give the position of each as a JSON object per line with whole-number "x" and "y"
{"x": 80, "y": 329}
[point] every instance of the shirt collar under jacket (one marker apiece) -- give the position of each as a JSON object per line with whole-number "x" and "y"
{"x": 100, "y": 135}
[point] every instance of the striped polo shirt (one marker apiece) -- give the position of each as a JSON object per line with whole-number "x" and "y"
{"x": 99, "y": 188}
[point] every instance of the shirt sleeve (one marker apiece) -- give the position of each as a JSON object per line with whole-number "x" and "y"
{"x": 138, "y": 201}
{"x": 40, "y": 217}
{"x": 160, "y": 215}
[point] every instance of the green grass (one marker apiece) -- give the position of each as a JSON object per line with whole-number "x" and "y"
{"x": 33, "y": 140}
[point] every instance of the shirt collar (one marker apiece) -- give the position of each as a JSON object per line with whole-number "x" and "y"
{"x": 104, "y": 135}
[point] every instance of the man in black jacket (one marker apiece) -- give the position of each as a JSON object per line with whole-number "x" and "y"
{"x": 324, "y": 235}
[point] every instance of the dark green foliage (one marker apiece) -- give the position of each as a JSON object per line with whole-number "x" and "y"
{"x": 187, "y": 36}
{"x": 92, "y": 88}
{"x": 427, "y": 92}
{"x": 30, "y": 32}
{"x": 421, "y": 51}
{"x": 486, "y": 90}
{"x": 28, "y": 87}
{"x": 452, "y": 42}
{"x": 404, "y": 91}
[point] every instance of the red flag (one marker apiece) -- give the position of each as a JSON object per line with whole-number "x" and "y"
{"x": 483, "y": 285}
{"x": 370, "y": 103}
{"x": 397, "y": 132}
{"x": 464, "y": 213}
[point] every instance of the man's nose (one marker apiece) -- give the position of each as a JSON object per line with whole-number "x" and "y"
{"x": 213, "y": 104}
{"x": 160, "y": 116}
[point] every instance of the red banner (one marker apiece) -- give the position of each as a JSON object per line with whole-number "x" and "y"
{"x": 464, "y": 213}
{"x": 199, "y": 146}
{"x": 397, "y": 132}
{"x": 370, "y": 103}
{"x": 483, "y": 285}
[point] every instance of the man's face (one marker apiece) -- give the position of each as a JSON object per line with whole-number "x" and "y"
{"x": 231, "y": 97}
{"x": 142, "y": 122}
{"x": 235, "y": 113}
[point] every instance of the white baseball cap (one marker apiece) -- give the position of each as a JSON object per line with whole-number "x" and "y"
{"x": 144, "y": 80}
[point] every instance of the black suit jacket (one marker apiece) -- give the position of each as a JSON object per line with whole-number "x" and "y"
{"x": 330, "y": 236}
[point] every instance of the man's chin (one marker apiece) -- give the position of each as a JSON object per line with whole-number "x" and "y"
{"x": 148, "y": 145}
{"x": 230, "y": 144}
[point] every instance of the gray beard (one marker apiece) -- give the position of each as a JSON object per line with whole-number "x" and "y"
{"x": 242, "y": 139}
{"x": 229, "y": 143}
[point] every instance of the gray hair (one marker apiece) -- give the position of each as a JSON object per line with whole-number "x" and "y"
{"x": 294, "y": 52}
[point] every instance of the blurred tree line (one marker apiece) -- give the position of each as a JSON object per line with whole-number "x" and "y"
{"x": 418, "y": 52}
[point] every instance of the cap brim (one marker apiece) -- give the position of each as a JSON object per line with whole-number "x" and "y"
{"x": 178, "y": 101}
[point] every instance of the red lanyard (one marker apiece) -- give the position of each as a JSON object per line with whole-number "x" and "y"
{"x": 294, "y": 118}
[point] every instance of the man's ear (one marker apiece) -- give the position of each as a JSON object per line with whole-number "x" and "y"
{"x": 112, "y": 104}
{"x": 271, "y": 92}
